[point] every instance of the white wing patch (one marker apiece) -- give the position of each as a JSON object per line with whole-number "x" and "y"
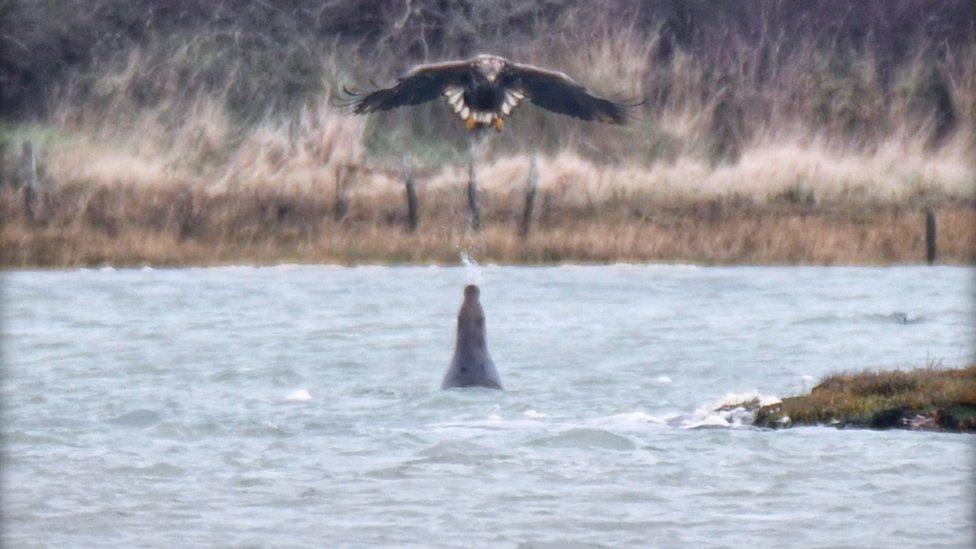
{"x": 455, "y": 99}
{"x": 513, "y": 98}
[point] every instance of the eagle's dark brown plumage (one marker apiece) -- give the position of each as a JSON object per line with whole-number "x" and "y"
{"x": 485, "y": 90}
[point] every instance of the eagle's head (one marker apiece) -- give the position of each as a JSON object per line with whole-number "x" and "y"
{"x": 489, "y": 65}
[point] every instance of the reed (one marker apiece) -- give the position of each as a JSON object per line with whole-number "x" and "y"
{"x": 776, "y": 149}
{"x": 124, "y": 225}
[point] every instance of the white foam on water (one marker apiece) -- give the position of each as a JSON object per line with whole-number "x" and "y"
{"x": 734, "y": 399}
{"x": 709, "y": 421}
{"x": 663, "y": 380}
{"x": 300, "y": 395}
{"x": 732, "y": 410}
{"x": 628, "y": 421}
{"x": 625, "y": 422}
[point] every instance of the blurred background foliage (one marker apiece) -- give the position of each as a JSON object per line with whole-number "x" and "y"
{"x": 726, "y": 72}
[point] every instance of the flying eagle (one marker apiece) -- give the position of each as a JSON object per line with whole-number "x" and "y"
{"x": 487, "y": 88}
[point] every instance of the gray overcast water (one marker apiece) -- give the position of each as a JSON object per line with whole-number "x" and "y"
{"x": 299, "y": 406}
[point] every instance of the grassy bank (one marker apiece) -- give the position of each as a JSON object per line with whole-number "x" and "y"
{"x": 187, "y": 226}
{"x": 202, "y": 194}
{"x": 925, "y": 399}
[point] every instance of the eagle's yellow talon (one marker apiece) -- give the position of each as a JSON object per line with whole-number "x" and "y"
{"x": 470, "y": 123}
{"x": 499, "y": 124}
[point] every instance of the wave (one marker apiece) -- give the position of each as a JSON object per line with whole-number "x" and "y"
{"x": 734, "y": 410}
{"x": 897, "y": 317}
{"x": 140, "y": 418}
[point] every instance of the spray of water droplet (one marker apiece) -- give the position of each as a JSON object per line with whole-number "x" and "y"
{"x": 472, "y": 271}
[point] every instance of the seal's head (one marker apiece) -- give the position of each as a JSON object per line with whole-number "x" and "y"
{"x": 471, "y": 294}
{"x": 472, "y": 365}
{"x": 471, "y": 317}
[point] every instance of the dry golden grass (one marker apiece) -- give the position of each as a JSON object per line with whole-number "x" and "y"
{"x": 807, "y": 157}
{"x": 124, "y": 225}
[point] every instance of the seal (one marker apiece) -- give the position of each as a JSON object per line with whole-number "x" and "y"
{"x": 471, "y": 365}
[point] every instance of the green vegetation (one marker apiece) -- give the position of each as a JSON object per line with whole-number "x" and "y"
{"x": 930, "y": 398}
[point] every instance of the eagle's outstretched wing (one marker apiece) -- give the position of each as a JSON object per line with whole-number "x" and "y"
{"x": 557, "y": 92}
{"x": 418, "y": 85}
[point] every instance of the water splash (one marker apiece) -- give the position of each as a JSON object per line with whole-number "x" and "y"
{"x": 804, "y": 380}
{"x": 472, "y": 271}
{"x": 733, "y": 410}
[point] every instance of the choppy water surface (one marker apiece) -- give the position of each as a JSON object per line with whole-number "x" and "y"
{"x": 300, "y": 406}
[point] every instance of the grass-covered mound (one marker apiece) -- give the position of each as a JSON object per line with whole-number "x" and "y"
{"x": 930, "y": 398}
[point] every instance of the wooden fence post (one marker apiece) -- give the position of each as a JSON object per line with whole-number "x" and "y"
{"x": 29, "y": 160}
{"x": 413, "y": 204}
{"x": 3, "y": 163}
{"x": 930, "y": 236}
{"x": 340, "y": 194}
{"x": 530, "y": 190}
{"x": 185, "y": 221}
{"x": 473, "y": 205}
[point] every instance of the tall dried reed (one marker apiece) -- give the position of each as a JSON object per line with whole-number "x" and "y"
{"x": 777, "y": 151}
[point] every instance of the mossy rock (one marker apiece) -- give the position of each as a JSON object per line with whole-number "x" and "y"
{"x": 928, "y": 398}
{"x": 772, "y": 416}
{"x": 960, "y": 418}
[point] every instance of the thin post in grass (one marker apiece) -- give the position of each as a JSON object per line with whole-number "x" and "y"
{"x": 3, "y": 158}
{"x": 930, "y": 236}
{"x": 413, "y": 204}
{"x": 341, "y": 207}
{"x": 30, "y": 183}
{"x": 184, "y": 214}
{"x": 530, "y": 190}
{"x": 474, "y": 206}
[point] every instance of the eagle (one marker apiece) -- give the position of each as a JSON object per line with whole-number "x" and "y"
{"x": 486, "y": 89}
